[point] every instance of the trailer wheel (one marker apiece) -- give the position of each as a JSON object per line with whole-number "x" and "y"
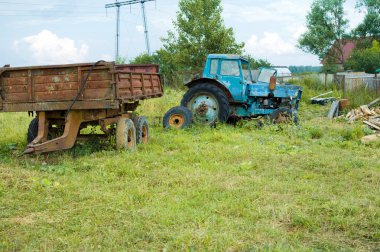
{"x": 207, "y": 103}
{"x": 32, "y": 130}
{"x": 284, "y": 115}
{"x": 142, "y": 129}
{"x": 177, "y": 117}
{"x": 125, "y": 134}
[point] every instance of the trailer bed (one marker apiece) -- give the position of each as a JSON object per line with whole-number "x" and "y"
{"x": 51, "y": 88}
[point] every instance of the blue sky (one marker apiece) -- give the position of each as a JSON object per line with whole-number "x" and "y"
{"x": 39, "y": 32}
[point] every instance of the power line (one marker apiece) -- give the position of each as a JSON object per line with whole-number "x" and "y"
{"x": 44, "y": 4}
{"x": 129, "y": 2}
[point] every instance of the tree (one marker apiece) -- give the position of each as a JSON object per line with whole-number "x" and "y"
{"x": 367, "y": 59}
{"x": 199, "y": 31}
{"x": 370, "y": 26}
{"x": 326, "y": 35}
{"x": 145, "y": 59}
{"x": 256, "y": 63}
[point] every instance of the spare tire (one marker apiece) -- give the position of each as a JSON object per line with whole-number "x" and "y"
{"x": 177, "y": 117}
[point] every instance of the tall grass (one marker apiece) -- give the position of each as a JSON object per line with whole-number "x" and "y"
{"x": 313, "y": 86}
{"x": 311, "y": 187}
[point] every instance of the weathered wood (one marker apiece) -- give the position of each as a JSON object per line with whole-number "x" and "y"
{"x": 47, "y": 84}
{"x": 321, "y": 95}
{"x": 60, "y": 106}
{"x": 372, "y": 103}
{"x": 366, "y": 110}
{"x": 372, "y": 125}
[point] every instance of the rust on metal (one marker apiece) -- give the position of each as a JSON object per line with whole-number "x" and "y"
{"x": 49, "y": 88}
{"x": 111, "y": 92}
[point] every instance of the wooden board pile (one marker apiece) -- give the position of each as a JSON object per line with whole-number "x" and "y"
{"x": 371, "y": 117}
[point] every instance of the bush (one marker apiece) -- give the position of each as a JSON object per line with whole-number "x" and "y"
{"x": 316, "y": 133}
{"x": 353, "y": 133}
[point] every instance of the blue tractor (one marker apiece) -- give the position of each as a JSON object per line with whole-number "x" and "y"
{"x": 229, "y": 89}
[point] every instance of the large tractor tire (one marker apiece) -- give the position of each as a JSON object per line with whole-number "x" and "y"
{"x": 142, "y": 129}
{"x": 125, "y": 134}
{"x": 32, "y": 130}
{"x": 207, "y": 103}
{"x": 177, "y": 117}
{"x": 284, "y": 115}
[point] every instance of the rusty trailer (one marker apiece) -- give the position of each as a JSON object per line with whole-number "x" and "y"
{"x": 68, "y": 98}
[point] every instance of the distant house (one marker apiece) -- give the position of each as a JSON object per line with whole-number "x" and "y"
{"x": 339, "y": 52}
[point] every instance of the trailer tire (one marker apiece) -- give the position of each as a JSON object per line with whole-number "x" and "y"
{"x": 207, "y": 103}
{"x": 284, "y": 115}
{"x": 125, "y": 134}
{"x": 142, "y": 129}
{"x": 177, "y": 117}
{"x": 32, "y": 130}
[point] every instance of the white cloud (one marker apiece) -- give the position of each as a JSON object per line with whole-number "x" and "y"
{"x": 140, "y": 28}
{"x": 271, "y": 11}
{"x": 47, "y": 48}
{"x": 106, "y": 57}
{"x": 269, "y": 45}
{"x": 299, "y": 31}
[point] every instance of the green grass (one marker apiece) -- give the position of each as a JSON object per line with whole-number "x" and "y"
{"x": 281, "y": 187}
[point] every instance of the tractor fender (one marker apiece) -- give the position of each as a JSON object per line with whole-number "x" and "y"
{"x": 212, "y": 81}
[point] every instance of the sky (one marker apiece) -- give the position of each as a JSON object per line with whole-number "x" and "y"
{"x": 42, "y": 32}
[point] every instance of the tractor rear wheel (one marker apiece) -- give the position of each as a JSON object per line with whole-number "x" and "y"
{"x": 177, "y": 117}
{"x": 284, "y": 115}
{"x": 207, "y": 103}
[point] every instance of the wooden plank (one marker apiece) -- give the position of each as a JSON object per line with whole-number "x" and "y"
{"x": 30, "y": 85}
{"x": 99, "y": 84}
{"x": 372, "y": 125}
{"x": 58, "y": 72}
{"x": 52, "y": 106}
{"x": 55, "y": 87}
{"x": 45, "y": 79}
{"x": 61, "y": 95}
{"x": 19, "y": 97}
{"x": 16, "y": 74}
{"x": 15, "y": 89}
{"x": 15, "y": 81}
{"x": 100, "y": 93}
{"x": 143, "y": 83}
{"x": 372, "y": 103}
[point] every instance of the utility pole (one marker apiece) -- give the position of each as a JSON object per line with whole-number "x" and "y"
{"x": 145, "y": 28}
{"x": 117, "y": 30}
{"x": 130, "y": 2}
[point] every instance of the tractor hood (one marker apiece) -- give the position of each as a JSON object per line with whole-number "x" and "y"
{"x": 261, "y": 89}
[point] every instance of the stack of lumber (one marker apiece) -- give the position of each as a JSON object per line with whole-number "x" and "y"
{"x": 371, "y": 117}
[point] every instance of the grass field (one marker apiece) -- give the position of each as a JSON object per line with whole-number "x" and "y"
{"x": 281, "y": 187}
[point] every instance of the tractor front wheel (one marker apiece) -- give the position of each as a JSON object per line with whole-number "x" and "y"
{"x": 207, "y": 103}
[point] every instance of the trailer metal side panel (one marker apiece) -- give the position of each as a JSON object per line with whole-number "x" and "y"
{"x": 48, "y": 88}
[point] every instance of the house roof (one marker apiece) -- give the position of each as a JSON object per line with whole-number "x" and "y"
{"x": 348, "y": 46}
